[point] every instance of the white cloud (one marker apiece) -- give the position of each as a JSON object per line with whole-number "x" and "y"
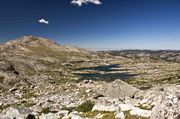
{"x": 80, "y": 2}
{"x": 43, "y": 21}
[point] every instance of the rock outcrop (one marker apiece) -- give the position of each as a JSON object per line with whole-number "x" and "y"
{"x": 120, "y": 90}
{"x": 167, "y": 107}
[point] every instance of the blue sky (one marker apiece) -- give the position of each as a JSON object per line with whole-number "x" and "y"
{"x": 114, "y": 24}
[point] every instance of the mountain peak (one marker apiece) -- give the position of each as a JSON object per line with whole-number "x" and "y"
{"x": 27, "y": 43}
{"x": 26, "y": 40}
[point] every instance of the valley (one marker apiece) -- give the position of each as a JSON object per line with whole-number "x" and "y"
{"x": 40, "y": 79}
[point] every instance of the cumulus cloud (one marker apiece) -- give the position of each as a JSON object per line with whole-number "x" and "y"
{"x": 43, "y": 21}
{"x": 80, "y": 2}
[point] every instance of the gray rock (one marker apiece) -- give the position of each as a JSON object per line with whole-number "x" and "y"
{"x": 24, "y": 111}
{"x": 120, "y": 89}
{"x": 168, "y": 107}
{"x": 106, "y": 108}
{"x": 55, "y": 108}
{"x": 11, "y": 113}
{"x": 63, "y": 112}
{"x": 126, "y": 107}
{"x": 76, "y": 117}
{"x": 49, "y": 116}
{"x": 120, "y": 115}
{"x": 4, "y": 117}
{"x": 36, "y": 108}
{"x": 141, "y": 112}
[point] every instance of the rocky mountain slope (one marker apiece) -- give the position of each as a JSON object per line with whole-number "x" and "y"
{"x": 30, "y": 60}
{"x": 40, "y": 79}
{"x": 166, "y": 55}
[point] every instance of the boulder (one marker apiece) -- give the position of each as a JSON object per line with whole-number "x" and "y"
{"x": 49, "y": 116}
{"x": 126, "y": 107}
{"x": 120, "y": 115}
{"x": 11, "y": 113}
{"x": 120, "y": 89}
{"x": 106, "y": 108}
{"x": 76, "y": 117}
{"x": 141, "y": 112}
{"x": 2, "y": 116}
{"x": 36, "y": 108}
{"x": 168, "y": 107}
{"x": 24, "y": 111}
{"x": 63, "y": 112}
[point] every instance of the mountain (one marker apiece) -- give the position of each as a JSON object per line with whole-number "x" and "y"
{"x": 38, "y": 46}
{"x": 166, "y": 55}
{"x": 31, "y": 60}
{"x": 40, "y": 79}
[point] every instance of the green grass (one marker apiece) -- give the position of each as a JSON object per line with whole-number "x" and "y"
{"x": 106, "y": 115}
{"x": 70, "y": 109}
{"x": 29, "y": 94}
{"x": 26, "y": 104}
{"x": 90, "y": 114}
{"x": 45, "y": 110}
{"x": 16, "y": 105}
{"x": 85, "y": 107}
{"x": 2, "y": 107}
{"x": 145, "y": 107}
{"x": 109, "y": 115}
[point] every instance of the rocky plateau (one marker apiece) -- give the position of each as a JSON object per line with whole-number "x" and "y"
{"x": 40, "y": 79}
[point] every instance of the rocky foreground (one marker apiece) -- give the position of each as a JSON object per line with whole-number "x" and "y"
{"x": 40, "y": 79}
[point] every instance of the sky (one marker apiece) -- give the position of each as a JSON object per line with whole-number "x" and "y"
{"x": 97, "y": 24}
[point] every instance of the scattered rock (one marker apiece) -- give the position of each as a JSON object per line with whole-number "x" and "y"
{"x": 168, "y": 106}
